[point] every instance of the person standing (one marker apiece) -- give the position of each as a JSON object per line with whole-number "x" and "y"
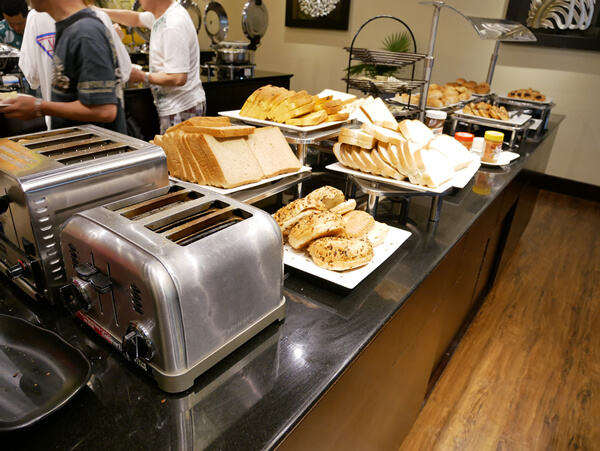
{"x": 14, "y": 13}
{"x": 86, "y": 84}
{"x": 174, "y": 75}
{"x": 35, "y": 60}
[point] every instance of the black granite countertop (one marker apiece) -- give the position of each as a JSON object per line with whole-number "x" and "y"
{"x": 252, "y": 398}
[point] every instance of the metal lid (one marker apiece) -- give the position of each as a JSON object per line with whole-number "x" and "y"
{"x": 255, "y": 20}
{"x": 215, "y": 22}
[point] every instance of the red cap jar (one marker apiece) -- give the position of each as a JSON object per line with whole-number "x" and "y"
{"x": 465, "y": 138}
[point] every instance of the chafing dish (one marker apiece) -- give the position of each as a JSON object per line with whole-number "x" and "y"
{"x": 46, "y": 177}
{"x": 175, "y": 278}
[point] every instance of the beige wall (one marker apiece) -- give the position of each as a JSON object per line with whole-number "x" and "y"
{"x": 570, "y": 77}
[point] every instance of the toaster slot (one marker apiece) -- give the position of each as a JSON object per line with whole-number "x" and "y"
{"x": 50, "y": 138}
{"x": 196, "y": 223}
{"x": 80, "y": 155}
{"x": 176, "y": 196}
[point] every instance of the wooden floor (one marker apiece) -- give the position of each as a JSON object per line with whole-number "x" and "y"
{"x": 526, "y": 375}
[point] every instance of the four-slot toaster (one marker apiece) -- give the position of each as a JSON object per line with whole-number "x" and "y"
{"x": 175, "y": 278}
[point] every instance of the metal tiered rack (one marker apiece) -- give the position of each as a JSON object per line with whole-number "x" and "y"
{"x": 385, "y": 58}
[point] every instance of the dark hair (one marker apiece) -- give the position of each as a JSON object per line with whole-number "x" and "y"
{"x": 14, "y": 7}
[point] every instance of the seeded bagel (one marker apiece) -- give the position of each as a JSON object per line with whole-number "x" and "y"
{"x": 340, "y": 254}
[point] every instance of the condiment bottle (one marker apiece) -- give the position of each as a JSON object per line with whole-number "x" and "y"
{"x": 435, "y": 119}
{"x": 466, "y": 139}
{"x": 493, "y": 146}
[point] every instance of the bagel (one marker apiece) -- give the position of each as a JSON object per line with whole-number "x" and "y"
{"x": 357, "y": 223}
{"x": 329, "y": 195}
{"x": 315, "y": 226}
{"x": 340, "y": 254}
{"x": 289, "y": 215}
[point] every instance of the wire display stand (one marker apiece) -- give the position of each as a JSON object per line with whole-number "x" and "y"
{"x": 399, "y": 60}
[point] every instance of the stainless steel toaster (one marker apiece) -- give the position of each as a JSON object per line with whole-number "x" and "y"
{"x": 175, "y": 278}
{"x": 46, "y": 177}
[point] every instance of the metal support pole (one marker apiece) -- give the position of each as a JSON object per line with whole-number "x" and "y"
{"x": 493, "y": 61}
{"x": 428, "y": 67}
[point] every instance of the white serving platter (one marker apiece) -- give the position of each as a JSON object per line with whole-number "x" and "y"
{"x": 519, "y": 119}
{"x": 460, "y": 179}
{"x": 544, "y": 102}
{"x": 503, "y": 159}
{"x": 252, "y": 185}
{"x": 235, "y": 114}
{"x": 300, "y": 259}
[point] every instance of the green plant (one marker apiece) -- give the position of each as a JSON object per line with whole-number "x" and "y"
{"x": 395, "y": 42}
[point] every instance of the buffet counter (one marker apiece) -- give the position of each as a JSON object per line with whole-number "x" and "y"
{"x": 346, "y": 368}
{"x": 221, "y": 95}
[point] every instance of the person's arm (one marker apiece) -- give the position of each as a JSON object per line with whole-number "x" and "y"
{"x": 164, "y": 79}
{"x": 124, "y": 17}
{"x": 25, "y": 108}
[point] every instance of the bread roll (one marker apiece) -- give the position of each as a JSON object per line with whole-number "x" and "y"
{"x": 341, "y": 254}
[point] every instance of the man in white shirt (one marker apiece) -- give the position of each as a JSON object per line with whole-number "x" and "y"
{"x": 174, "y": 75}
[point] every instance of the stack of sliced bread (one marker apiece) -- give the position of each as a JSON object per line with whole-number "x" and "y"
{"x": 336, "y": 235}
{"x": 211, "y": 151}
{"x": 277, "y": 104}
{"x": 406, "y": 150}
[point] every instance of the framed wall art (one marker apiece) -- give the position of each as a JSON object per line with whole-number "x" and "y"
{"x": 571, "y": 24}
{"x": 325, "y": 14}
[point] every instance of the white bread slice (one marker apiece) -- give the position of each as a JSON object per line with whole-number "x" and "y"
{"x": 346, "y": 154}
{"x": 202, "y": 121}
{"x": 343, "y": 96}
{"x": 193, "y": 163}
{"x": 337, "y": 117}
{"x": 384, "y": 153}
{"x": 381, "y": 133}
{"x": 357, "y": 137}
{"x": 384, "y": 168}
{"x": 228, "y": 162}
{"x": 174, "y": 160}
{"x": 272, "y": 151}
{"x": 289, "y": 114}
{"x": 379, "y": 114}
{"x": 415, "y": 130}
{"x": 433, "y": 166}
{"x": 319, "y": 100}
{"x": 293, "y": 102}
{"x": 408, "y": 149}
{"x": 337, "y": 152}
{"x": 365, "y": 155}
{"x": 334, "y": 103}
{"x": 229, "y": 131}
{"x": 314, "y": 118}
{"x": 359, "y": 163}
{"x": 458, "y": 154}
{"x": 397, "y": 156}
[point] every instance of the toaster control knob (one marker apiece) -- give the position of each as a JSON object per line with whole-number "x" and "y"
{"x": 137, "y": 344}
{"x": 18, "y": 270}
{"x": 75, "y": 295}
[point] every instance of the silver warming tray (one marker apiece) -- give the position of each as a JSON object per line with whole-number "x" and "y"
{"x": 175, "y": 278}
{"x": 46, "y": 177}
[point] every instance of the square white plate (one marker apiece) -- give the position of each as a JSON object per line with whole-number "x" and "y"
{"x": 300, "y": 259}
{"x": 252, "y": 185}
{"x": 235, "y": 114}
{"x": 460, "y": 179}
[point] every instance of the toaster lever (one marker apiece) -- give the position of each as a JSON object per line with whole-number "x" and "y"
{"x": 85, "y": 271}
{"x": 101, "y": 283}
